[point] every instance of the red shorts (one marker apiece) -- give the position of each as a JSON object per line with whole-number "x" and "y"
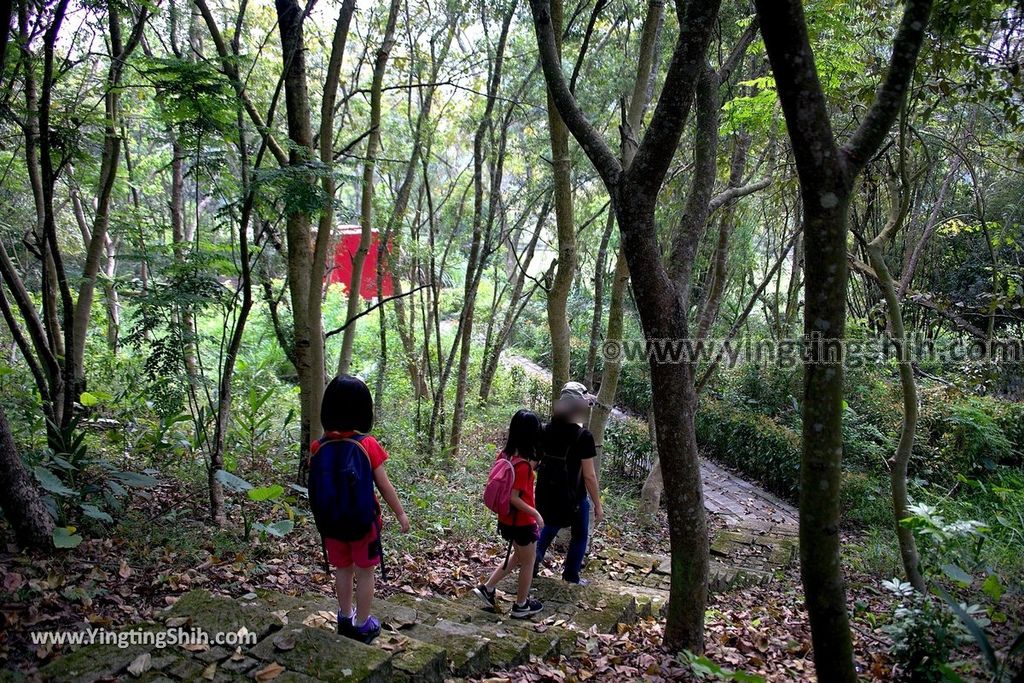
{"x": 364, "y": 553}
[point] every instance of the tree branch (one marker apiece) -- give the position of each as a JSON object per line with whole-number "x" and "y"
{"x": 696, "y": 26}
{"x": 595, "y": 147}
{"x": 739, "y": 50}
{"x": 891, "y": 93}
{"x": 375, "y": 307}
{"x": 731, "y": 193}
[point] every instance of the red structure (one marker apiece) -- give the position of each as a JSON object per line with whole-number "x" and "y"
{"x": 344, "y": 252}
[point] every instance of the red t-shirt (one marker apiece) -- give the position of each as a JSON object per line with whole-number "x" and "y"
{"x": 373, "y": 449}
{"x": 524, "y": 484}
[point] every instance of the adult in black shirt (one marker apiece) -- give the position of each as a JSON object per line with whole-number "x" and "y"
{"x": 567, "y": 480}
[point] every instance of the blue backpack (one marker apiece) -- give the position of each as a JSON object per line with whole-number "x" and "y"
{"x": 341, "y": 490}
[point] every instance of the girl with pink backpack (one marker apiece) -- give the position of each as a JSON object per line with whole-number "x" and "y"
{"x": 509, "y": 493}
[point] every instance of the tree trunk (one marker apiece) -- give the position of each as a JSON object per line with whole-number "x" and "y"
{"x": 297, "y": 228}
{"x": 369, "y": 173}
{"x": 612, "y": 362}
{"x": 477, "y": 252}
{"x": 650, "y": 494}
{"x": 595, "y": 322}
{"x": 908, "y": 426}
{"x": 558, "y": 294}
{"x": 827, "y": 173}
{"x": 22, "y": 505}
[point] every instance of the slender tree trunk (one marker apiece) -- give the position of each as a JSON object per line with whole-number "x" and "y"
{"x": 558, "y": 293}
{"x": 297, "y": 231}
{"x": 595, "y": 323}
{"x": 908, "y": 426}
{"x": 477, "y": 251}
{"x": 612, "y": 366}
{"x": 369, "y": 173}
{"x": 22, "y": 504}
{"x": 650, "y": 494}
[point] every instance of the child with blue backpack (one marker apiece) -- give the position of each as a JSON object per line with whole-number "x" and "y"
{"x": 509, "y": 492}
{"x": 344, "y": 467}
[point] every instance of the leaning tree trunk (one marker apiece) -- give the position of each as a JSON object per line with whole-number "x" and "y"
{"x": 22, "y": 505}
{"x": 908, "y": 427}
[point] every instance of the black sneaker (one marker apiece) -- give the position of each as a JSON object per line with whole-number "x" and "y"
{"x": 531, "y": 606}
{"x": 486, "y": 595}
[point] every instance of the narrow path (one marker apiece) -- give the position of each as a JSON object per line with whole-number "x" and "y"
{"x": 741, "y": 504}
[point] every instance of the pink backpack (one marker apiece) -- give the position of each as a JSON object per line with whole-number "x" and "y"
{"x": 498, "y": 491}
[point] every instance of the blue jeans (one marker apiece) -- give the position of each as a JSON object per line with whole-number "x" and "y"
{"x": 580, "y": 531}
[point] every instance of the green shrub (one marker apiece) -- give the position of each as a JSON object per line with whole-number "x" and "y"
{"x": 769, "y": 390}
{"x": 627, "y": 454}
{"x": 751, "y": 443}
{"x": 963, "y": 435}
{"x": 866, "y": 500}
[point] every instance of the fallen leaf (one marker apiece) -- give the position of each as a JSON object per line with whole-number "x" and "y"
{"x": 284, "y": 642}
{"x": 140, "y": 665}
{"x": 210, "y": 671}
{"x": 124, "y": 571}
{"x": 269, "y": 672}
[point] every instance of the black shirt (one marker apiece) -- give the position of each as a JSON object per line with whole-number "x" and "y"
{"x": 570, "y": 441}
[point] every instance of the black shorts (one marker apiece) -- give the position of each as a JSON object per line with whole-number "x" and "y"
{"x": 520, "y": 535}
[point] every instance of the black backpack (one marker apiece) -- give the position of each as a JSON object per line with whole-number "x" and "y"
{"x": 341, "y": 490}
{"x": 557, "y": 491}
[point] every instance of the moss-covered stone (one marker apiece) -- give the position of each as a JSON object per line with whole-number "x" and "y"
{"x": 509, "y": 640}
{"x": 414, "y": 661}
{"x": 321, "y": 654}
{"x": 95, "y": 662}
{"x": 217, "y": 614}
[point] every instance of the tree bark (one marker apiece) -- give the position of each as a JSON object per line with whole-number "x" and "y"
{"x": 634, "y": 193}
{"x": 369, "y": 173}
{"x": 477, "y": 251}
{"x": 298, "y": 234}
{"x": 561, "y": 171}
{"x": 826, "y": 174}
{"x": 22, "y": 504}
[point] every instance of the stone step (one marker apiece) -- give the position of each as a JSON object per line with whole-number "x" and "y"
{"x": 306, "y": 654}
{"x": 464, "y": 654}
{"x": 650, "y": 602}
{"x": 584, "y": 606}
{"x": 654, "y": 571}
{"x": 514, "y": 638}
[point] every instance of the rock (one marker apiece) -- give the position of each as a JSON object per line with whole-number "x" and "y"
{"x": 321, "y": 654}
{"x": 217, "y": 614}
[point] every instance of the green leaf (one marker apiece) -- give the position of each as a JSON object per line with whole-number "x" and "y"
{"x": 135, "y": 479}
{"x": 88, "y": 400}
{"x": 49, "y": 481}
{"x": 65, "y": 537}
{"x": 973, "y": 628}
{"x": 266, "y": 492}
{"x": 957, "y": 574}
{"x": 281, "y": 528}
{"x": 90, "y": 510}
{"x": 231, "y": 481}
{"x": 992, "y": 587}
